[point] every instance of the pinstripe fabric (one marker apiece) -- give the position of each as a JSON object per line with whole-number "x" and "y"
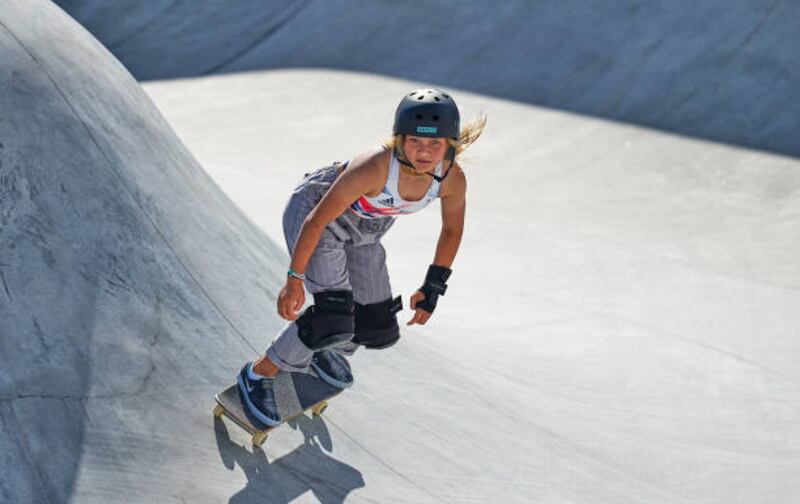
{"x": 349, "y": 256}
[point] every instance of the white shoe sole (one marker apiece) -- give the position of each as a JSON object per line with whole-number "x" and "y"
{"x": 329, "y": 379}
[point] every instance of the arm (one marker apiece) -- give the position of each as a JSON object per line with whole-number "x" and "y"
{"x": 360, "y": 177}
{"x": 453, "y": 210}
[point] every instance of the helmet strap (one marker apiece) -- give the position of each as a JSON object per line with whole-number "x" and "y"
{"x": 450, "y": 156}
{"x": 401, "y": 159}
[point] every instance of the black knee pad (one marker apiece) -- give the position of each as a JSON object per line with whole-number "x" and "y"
{"x": 376, "y": 323}
{"x": 329, "y": 321}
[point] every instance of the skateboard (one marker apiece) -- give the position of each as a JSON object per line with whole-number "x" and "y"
{"x": 295, "y": 394}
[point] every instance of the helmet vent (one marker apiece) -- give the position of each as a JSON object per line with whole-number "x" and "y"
{"x": 419, "y": 117}
{"x": 420, "y": 97}
{"x": 436, "y": 118}
{"x": 437, "y": 98}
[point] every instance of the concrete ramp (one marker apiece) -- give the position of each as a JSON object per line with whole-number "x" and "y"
{"x": 723, "y": 70}
{"x": 126, "y": 279}
{"x": 621, "y": 325}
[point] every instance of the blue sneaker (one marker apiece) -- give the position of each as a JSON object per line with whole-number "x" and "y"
{"x": 259, "y": 398}
{"x": 333, "y": 368}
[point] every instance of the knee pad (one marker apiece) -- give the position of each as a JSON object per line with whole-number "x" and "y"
{"x": 329, "y": 321}
{"x": 376, "y": 323}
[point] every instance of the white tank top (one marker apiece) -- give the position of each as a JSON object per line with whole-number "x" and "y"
{"x": 388, "y": 202}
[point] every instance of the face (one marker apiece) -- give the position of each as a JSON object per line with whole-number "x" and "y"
{"x": 424, "y": 152}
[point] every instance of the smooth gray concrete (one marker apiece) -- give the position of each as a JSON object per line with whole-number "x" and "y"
{"x": 126, "y": 278}
{"x": 620, "y": 327}
{"x": 621, "y": 323}
{"x": 724, "y": 70}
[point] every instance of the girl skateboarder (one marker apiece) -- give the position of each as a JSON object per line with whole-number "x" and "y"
{"x": 333, "y": 224}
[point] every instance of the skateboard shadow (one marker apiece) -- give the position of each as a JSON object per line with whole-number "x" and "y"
{"x": 307, "y": 467}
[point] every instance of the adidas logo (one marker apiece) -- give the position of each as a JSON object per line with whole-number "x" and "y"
{"x": 387, "y": 201}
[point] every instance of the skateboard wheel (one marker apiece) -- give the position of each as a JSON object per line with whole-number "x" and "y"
{"x": 319, "y": 408}
{"x": 259, "y": 438}
{"x": 218, "y": 411}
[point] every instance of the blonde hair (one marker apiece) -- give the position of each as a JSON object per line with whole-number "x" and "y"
{"x": 468, "y": 135}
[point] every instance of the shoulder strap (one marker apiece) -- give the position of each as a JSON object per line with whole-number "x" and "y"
{"x": 393, "y": 176}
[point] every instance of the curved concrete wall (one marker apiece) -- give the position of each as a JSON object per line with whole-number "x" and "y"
{"x": 116, "y": 258}
{"x": 638, "y": 345}
{"x": 723, "y": 70}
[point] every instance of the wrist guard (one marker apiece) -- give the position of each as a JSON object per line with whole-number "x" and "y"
{"x": 435, "y": 285}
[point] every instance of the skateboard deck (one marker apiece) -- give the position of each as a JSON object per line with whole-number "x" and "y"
{"x": 295, "y": 394}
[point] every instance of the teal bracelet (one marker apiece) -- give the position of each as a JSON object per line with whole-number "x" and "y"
{"x": 295, "y": 274}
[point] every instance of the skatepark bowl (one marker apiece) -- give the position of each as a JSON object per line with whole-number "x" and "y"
{"x": 621, "y": 323}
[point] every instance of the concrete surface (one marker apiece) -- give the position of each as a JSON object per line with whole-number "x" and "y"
{"x": 621, "y": 324}
{"x": 723, "y": 70}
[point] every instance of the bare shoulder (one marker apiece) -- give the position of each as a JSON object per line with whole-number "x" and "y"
{"x": 369, "y": 168}
{"x": 455, "y": 184}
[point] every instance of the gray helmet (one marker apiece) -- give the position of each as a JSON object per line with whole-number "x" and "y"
{"x": 428, "y": 113}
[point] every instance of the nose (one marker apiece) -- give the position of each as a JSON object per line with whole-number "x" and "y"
{"x": 425, "y": 148}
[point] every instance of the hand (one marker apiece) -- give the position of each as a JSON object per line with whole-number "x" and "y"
{"x": 291, "y": 298}
{"x": 420, "y": 315}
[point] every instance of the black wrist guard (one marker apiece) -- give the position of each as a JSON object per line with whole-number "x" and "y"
{"x": 433, "y": 287}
